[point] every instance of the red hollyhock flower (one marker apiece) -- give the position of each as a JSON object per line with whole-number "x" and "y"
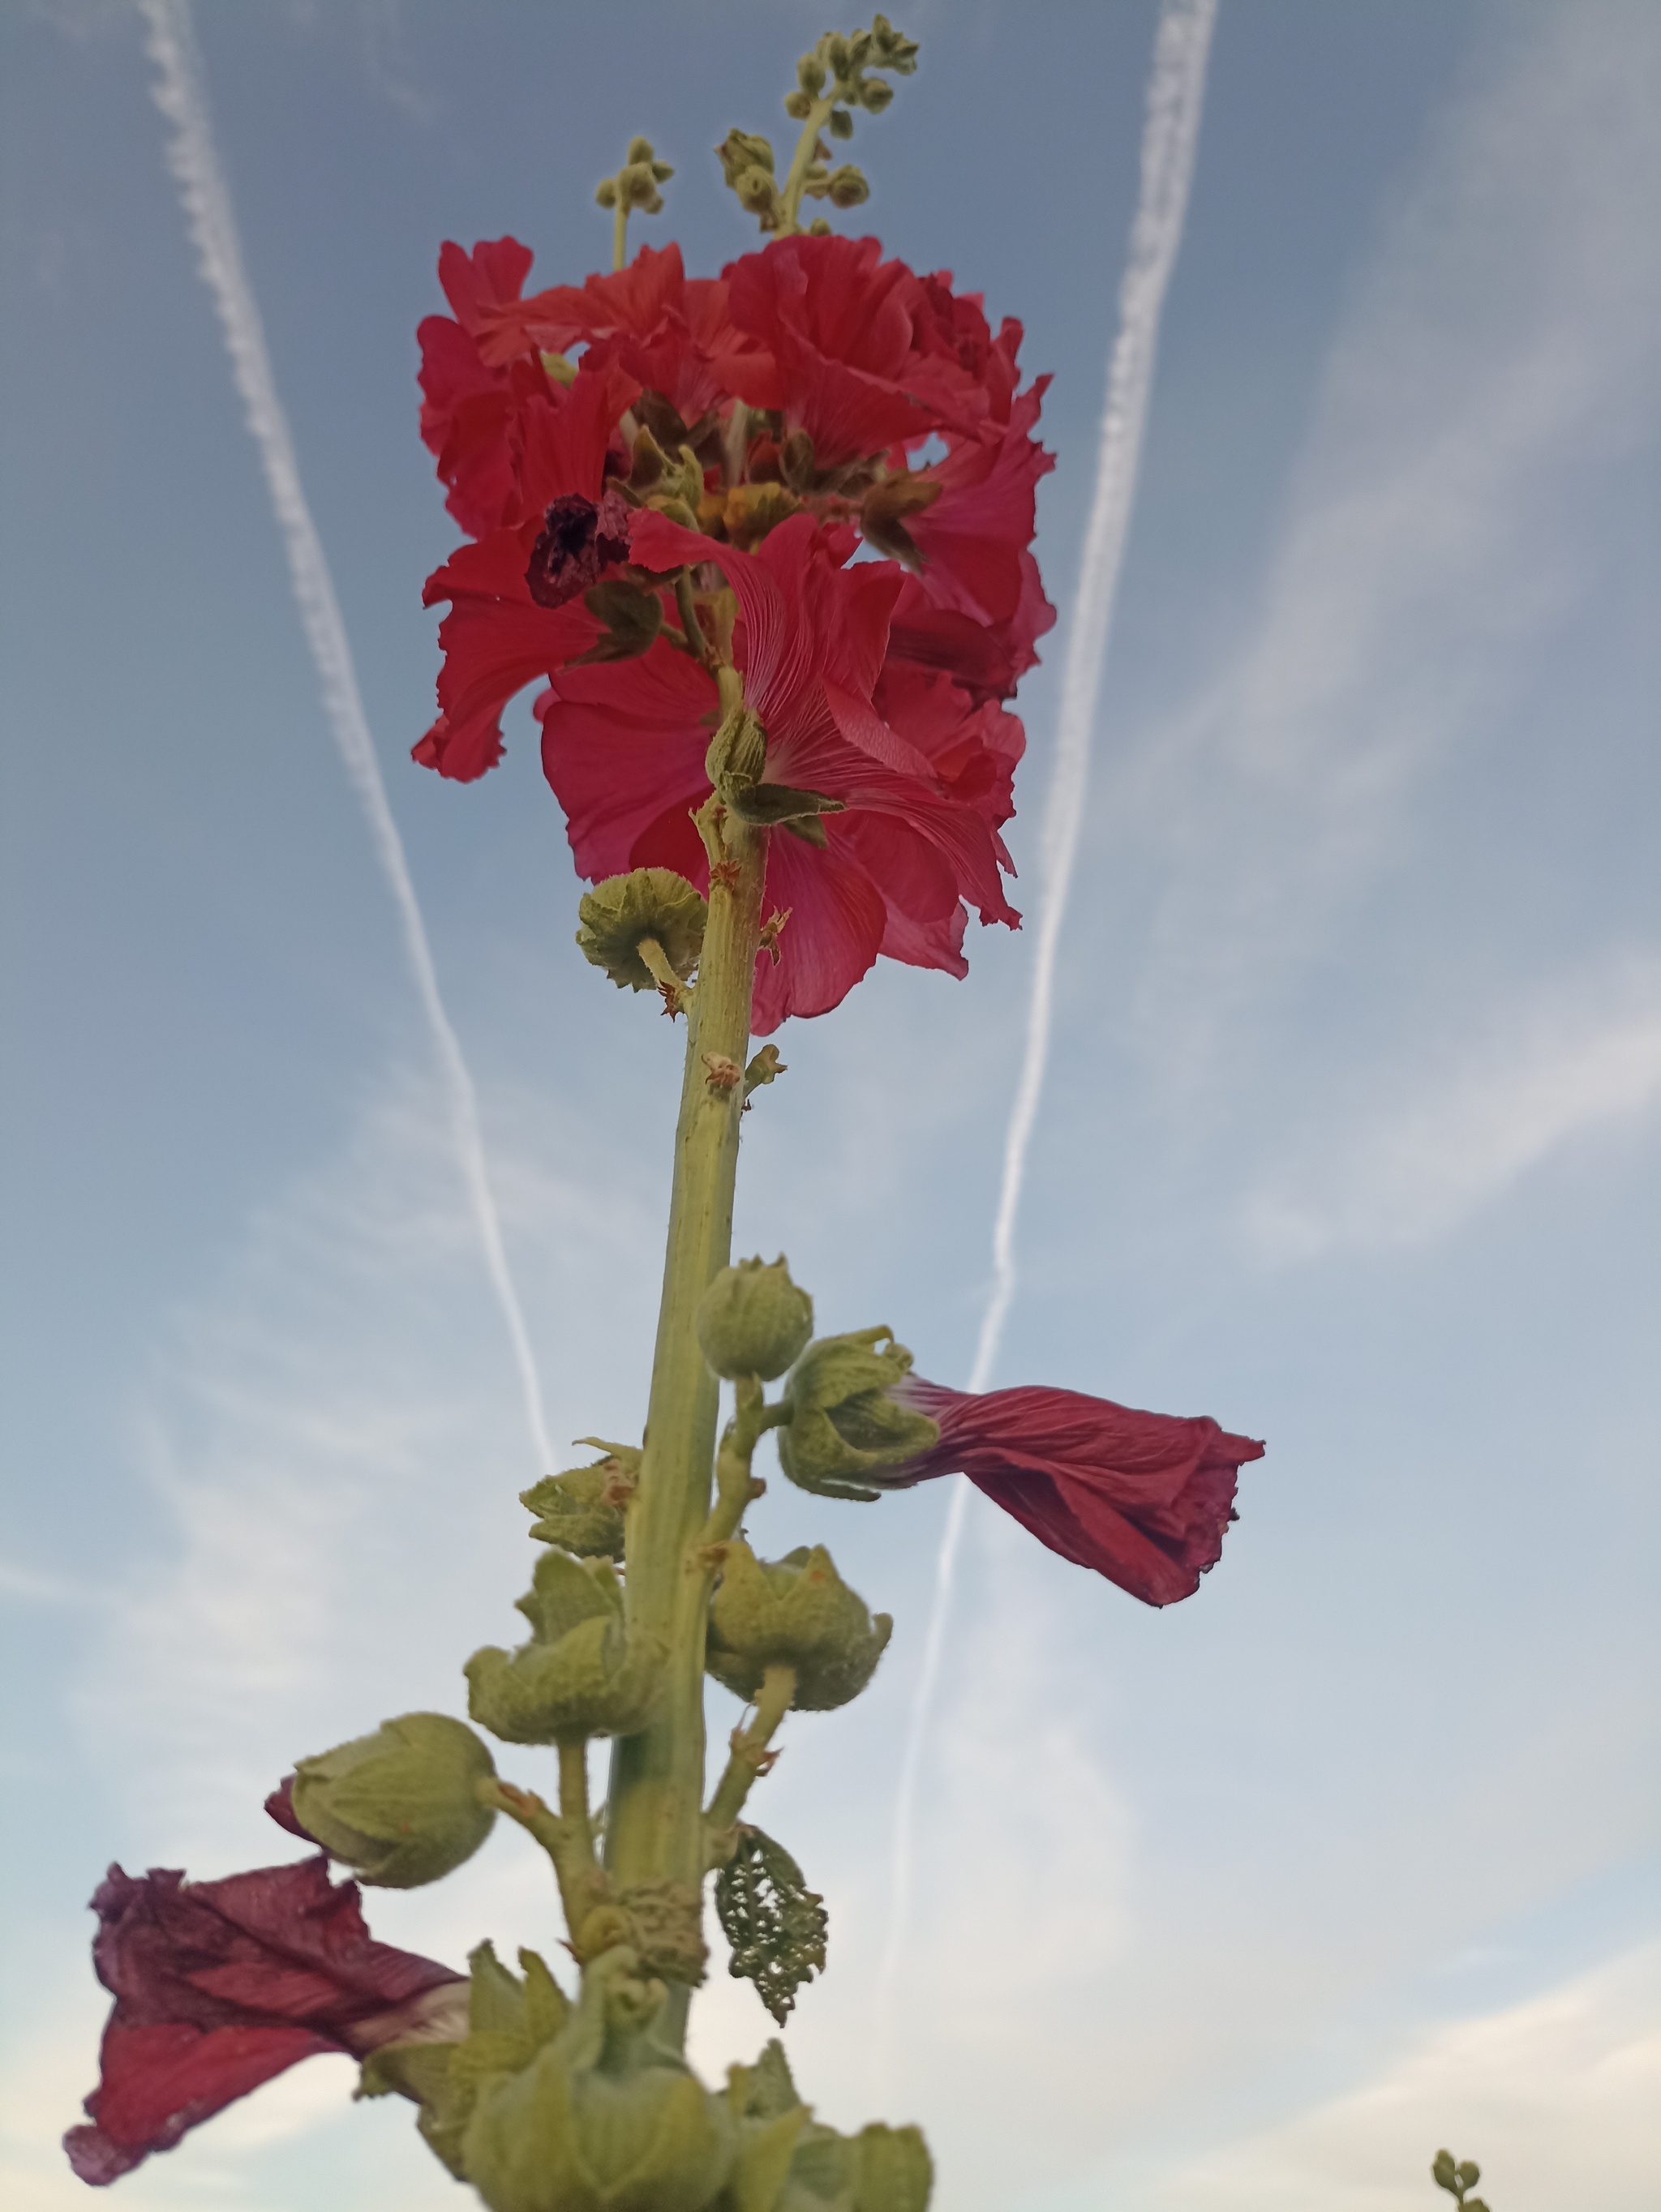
{"x": 976, "y": 606}
{"x": 221, "y": 1986}
{"x": 923, "y": 791}
{"x": 515, "y": 613}
{"x": 673, "y": 334}
{"x": 858, "y": 352}
{"x": 468, "y": 404}
{"x": 1144, "y": 1498}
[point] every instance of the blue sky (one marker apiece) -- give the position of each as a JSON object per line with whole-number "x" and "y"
{"x": 1351, "y": 1138}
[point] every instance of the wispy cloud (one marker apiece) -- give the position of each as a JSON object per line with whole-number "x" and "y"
{"x": 1568, "y": 1060}
{"x": 1502, "y": 356}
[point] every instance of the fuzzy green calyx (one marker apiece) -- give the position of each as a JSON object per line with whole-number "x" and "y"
{"x": 843, "y": 1422}
{"x": 581, "y": 1674}
{"x": 881, "y": 2169}
{"x": 399, "y": 1806}
{"x": 794, "y": 1612}
{"x": 634, "y": 924}
{"x": 753, "y": 1319}
{"x": 604, "y": 2115}
{"x": 508, "y": 2021}
{"x": 582, "y": 1509}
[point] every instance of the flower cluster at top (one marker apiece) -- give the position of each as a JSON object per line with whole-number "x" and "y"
{"x": 819, "y": 466}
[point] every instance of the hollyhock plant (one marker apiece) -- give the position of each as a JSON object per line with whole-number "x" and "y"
{"x": 221, "y": 1985}
{"x": 762, "y": 544}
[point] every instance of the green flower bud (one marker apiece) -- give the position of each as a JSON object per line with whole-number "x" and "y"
{"x": 758, "y": 193}
{"x": 582, "y": 1509}
{"x": 798, "y": 106}
{"x": 743, "y": 149}
{"x": 752, "y": 1320}
{"x": 836, "y": 51}
{"x": 876, "y": 95}
{"x": 810, "y": 74}
{"x": 842, "y": 123}
{"x": 606, "y": 193}
{"x": 844, "y": 1423}
{"x": 794, "y": 1612}
{"x": 603, "y": 2116}
{"x": 640, "y": 149}
{"x": 890, "y": 50}
{"x": 401, "y": 1805}
{"x": 848, "y": 187}
{"x": 580, "y": 1675}
{"x": 651, "y": 905}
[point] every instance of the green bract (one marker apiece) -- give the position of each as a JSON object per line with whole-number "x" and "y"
{"x": 843, "y": 1422}
{"x": 753, "y": 1319}
{"x": 399, "y": 1806}
{"x": 795, "y": 1612}
{"x": 580, "y": 1674}
{"x": 649, "y": 907}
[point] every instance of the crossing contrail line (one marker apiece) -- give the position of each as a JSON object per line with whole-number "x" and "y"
{"x": 1176, "y": 93}
{"x": 180, "y": 94}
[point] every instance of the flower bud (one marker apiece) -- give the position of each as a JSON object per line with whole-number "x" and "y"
{"x": 848, "y": 187}
{"x": 876, "y": 95}
{"x": 798, "y": 106}
{"x": 580, "y": 1675}
{"x": 752, "y": 1320}
{"x": 580, "y": 1510}
{"x": 794, "y": 1612}
{"x": 843, "y": 1422}
{"x": 810, "y": 74}
{"x": 619, "y": 915}
{"x": 401, "y": 1805}
{"x": 603, "y": 2115}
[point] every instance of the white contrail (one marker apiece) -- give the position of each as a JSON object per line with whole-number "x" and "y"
{"x": 1175, "y": 92}
{"x": 180, "y": 94}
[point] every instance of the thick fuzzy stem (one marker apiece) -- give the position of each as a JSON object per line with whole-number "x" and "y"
{"x": 654, "y": 1829}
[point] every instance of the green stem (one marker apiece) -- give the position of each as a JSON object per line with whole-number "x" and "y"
{"x": 734, "y": 1488}
{"x": 566, "y": 1836}
{"x": 801, "y": 162}
{"x": 751, "y": 1755}
{"x": 655, "y": 1826}
{"x": 620, "y": 232}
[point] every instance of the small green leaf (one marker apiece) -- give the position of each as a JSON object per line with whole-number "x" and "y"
{"x": 775, "y": 1924}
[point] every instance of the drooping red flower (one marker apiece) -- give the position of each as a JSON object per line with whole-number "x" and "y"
{"x": 922, "y": 791}
{"x": 221, "y": 1986}
{"x": 1144, "y": 1498}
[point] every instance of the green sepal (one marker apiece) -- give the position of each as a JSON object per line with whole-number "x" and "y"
{"x": 844, "y": 1423}
{"x": 632, "y": 619}
{"x": 618, "y": 914}
{"x": 400, "y": 1806}
{"x": 795, "y": 1612}
{"x": 581, "y": 1673}
{"x": 764, "y": 805}
{"x": 603, "y": 2118}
